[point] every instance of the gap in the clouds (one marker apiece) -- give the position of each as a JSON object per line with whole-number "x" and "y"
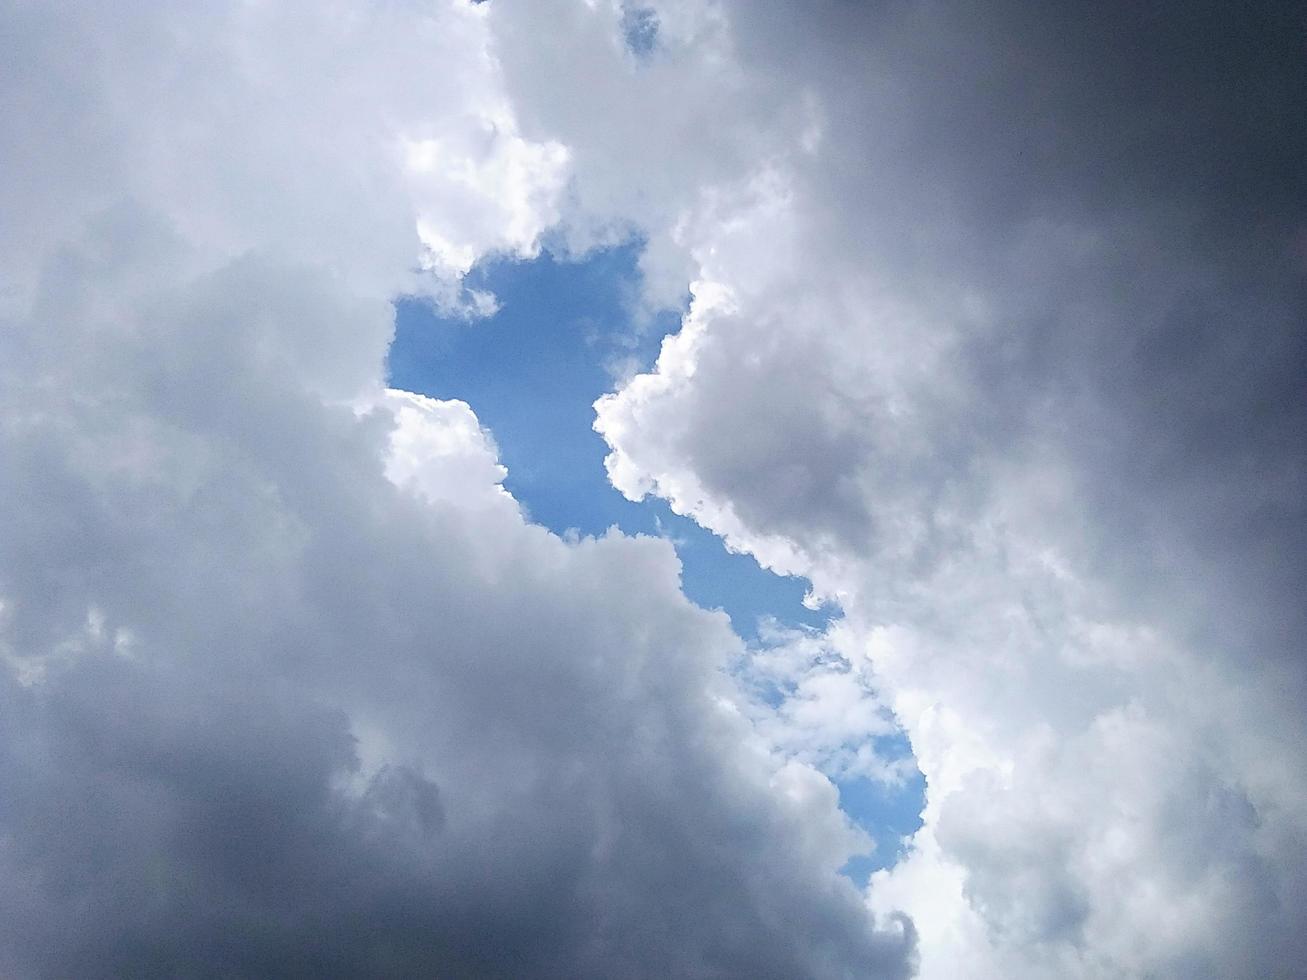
{"x": 889, "y": 812}
{"x": 640, "y": 29}
{"x": 531, "y": 372}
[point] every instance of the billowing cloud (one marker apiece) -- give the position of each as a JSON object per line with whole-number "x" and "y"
{"x": 1009, "y": 361}
{"x": 290, "y": 685}
{"x": 995, "y": 335}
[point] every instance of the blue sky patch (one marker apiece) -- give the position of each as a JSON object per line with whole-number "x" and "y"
{"x": 640, "y": 30}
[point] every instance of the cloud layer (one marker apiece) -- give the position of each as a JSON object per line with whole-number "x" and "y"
{"x": 1008, "y": 360}
{"x": 996, "y": 336}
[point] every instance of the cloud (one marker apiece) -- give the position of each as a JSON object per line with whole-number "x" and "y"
{"x": 1004, "y": 360}
{"x": 995, "y": 336}
{"x": 290, "y": 686}
{"x": 276, "y": 127}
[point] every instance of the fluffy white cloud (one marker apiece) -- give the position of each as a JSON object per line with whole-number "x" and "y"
{"x": 331, "y": 132}
{"x": 818, "y": 707}
{"x": 290, "y": 686}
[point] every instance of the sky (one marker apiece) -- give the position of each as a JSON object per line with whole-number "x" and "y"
{"x": 537, "y": 365}
{"x": 699, "y": 488}
{"x": 562, "y": 333}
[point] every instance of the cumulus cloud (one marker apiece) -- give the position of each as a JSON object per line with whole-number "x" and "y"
{"x": 275, "y": 127}
{"x": 290, "y": 686}
{"x": 994, "y": 335}
{"x": 1005, "y": 359}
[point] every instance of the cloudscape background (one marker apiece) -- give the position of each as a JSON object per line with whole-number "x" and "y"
{"x": 983, "y": 325}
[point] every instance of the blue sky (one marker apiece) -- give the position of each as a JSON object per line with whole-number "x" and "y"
{"x": 532, "y": 372}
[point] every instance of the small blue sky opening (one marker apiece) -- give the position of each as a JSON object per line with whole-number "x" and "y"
{"x": 888, "y": 812}
{"x": 640, "y": 29}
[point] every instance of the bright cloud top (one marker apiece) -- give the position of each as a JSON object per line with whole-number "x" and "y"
{"x": 995, "y": 336}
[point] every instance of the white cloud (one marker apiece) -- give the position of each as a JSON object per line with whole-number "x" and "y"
{"x": 439, "y": 451}
{"x": 329, "y": 131}
{"x": 812, "y": 704}
{"x": 290, "y": 684}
